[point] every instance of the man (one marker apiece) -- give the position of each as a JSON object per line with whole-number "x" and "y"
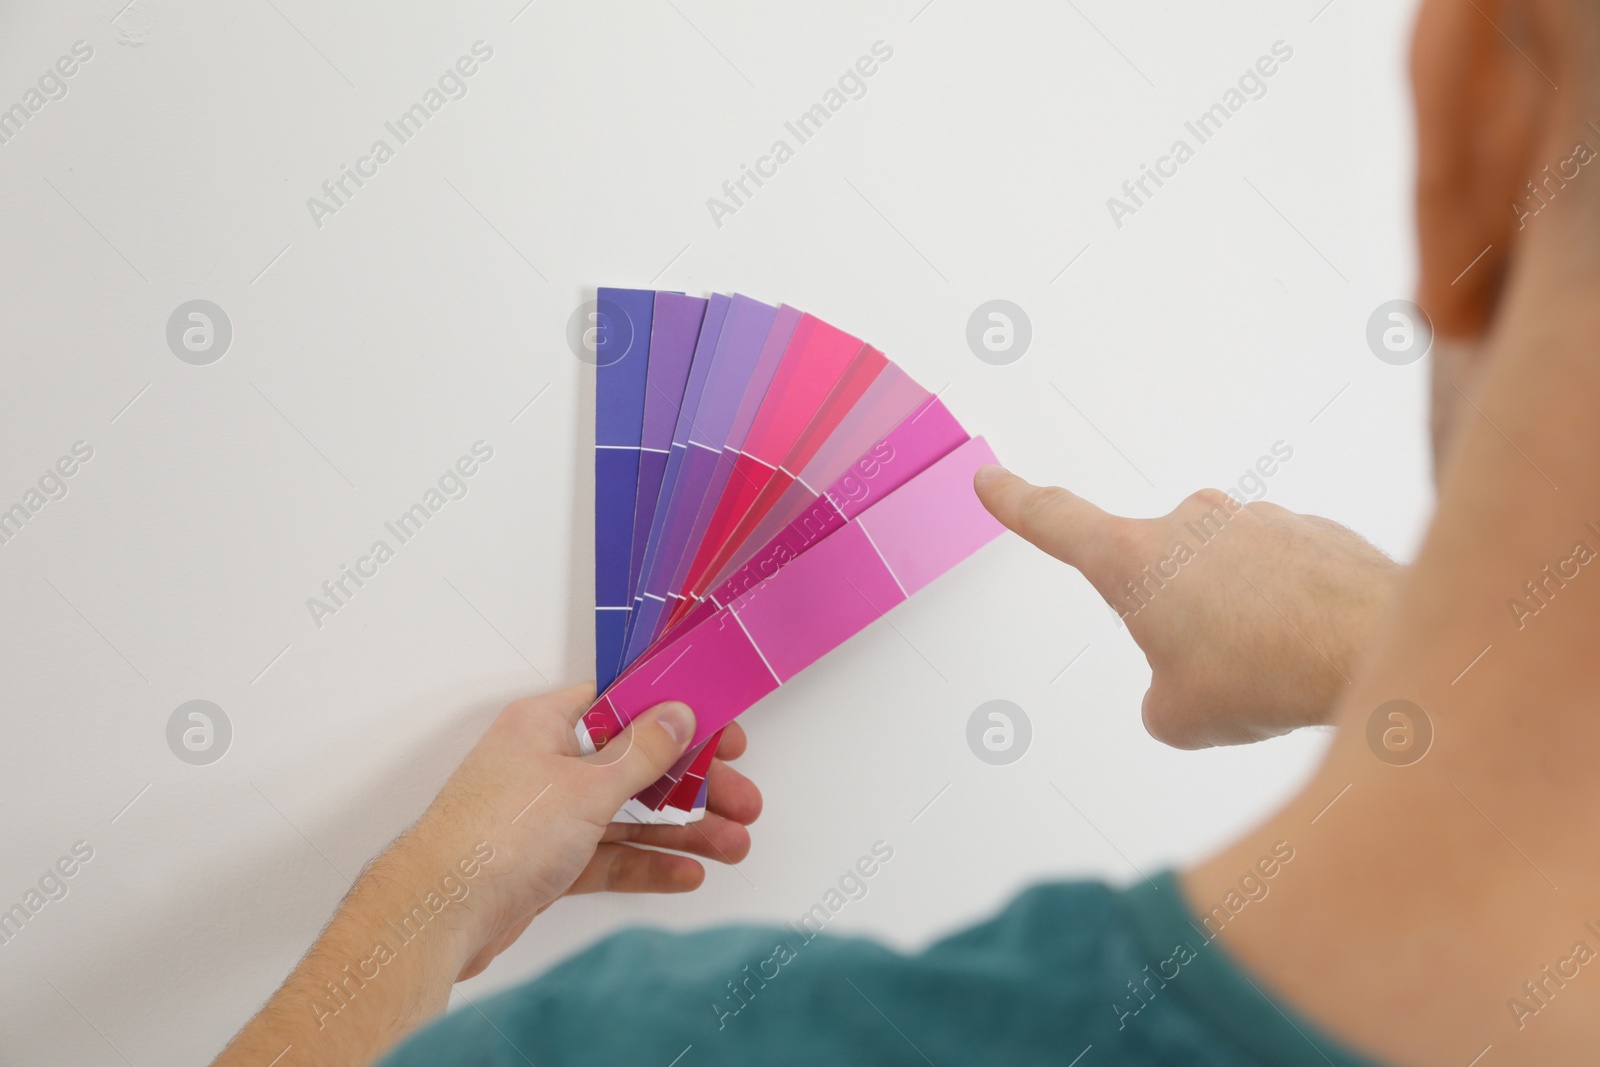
{"x": 1434, "y": 889}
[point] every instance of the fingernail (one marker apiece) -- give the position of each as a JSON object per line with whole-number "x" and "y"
{"x": 678, "y": 721}
{"x": 988, "y": 474}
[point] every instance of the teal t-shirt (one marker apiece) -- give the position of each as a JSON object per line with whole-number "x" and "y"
{"x": 1068, "y": 974}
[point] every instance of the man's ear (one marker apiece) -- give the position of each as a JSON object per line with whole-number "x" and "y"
{"x": 1480, "y": 72}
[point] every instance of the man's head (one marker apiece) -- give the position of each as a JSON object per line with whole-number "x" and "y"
{"x": 1504, "y": 89}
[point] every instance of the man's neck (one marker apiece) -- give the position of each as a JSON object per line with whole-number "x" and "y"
{"x": 1441, "y": 896}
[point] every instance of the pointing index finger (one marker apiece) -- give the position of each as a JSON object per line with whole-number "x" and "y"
{"x": 1060, "y": 523}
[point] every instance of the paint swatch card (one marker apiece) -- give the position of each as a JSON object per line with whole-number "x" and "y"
{"x": 766, "y": 486}
{"x": 622, "y": 358}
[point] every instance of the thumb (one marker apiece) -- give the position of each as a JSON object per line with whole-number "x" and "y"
{"x": 647, "y": 748}
{"x": 1061, "y": 523}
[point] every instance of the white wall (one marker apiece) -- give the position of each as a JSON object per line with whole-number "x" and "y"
{"x": 380, "y": 346}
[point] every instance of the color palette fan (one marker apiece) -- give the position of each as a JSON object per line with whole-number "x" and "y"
{"x": 766, "y": 485}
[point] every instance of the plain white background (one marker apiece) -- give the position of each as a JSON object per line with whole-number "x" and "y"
{"x": 368, "y": 353}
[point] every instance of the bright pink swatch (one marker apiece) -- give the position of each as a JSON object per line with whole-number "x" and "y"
{"x": 888, "y": 401}
{"x": 864, "y": 369}
{"x": 738, "y": 654}
{"x": 816, "y": 355}
{"x": 920, "y": 439}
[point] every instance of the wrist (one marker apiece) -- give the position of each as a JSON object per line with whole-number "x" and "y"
{"x": 386, "y": 962}
{"x": 430, "y": 889}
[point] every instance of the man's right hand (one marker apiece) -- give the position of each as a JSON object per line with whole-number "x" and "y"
{"x": 1251, "y": 617}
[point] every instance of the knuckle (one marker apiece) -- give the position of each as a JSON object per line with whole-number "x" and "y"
{"x": 1209, "y": 499}
{"x": 610, "y": 864}
{"x": 521, "y": 707}
{"x": 651, "y": 743}
{"x": 1166, "y": 721}
{"x": 1040, "y": 506}
{"x": 1210, "y": 508}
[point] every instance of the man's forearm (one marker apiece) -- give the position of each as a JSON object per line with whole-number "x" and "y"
{"x": 464, "y": 882}
{"x": 384, "y": 964}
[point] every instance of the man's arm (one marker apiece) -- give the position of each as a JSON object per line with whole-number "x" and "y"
{"x": 363, "y": 985}
{"x": 1252, "y": 617}
{"x": 522, "y": 822}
